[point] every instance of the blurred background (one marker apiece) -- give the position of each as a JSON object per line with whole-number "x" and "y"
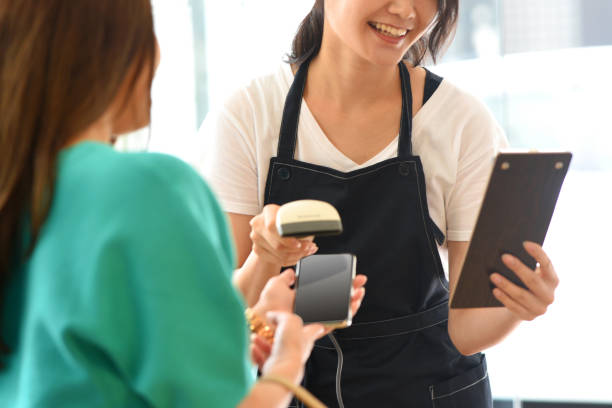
{"x": 543, "y": 68}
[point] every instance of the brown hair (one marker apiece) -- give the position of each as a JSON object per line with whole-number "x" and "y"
{"x": 307, "y": 40}
{"x": 62, "y": 65}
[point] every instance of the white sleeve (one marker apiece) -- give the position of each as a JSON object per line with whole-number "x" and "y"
{"x": 228, "y": 159}
{"x": 481, "y": 139}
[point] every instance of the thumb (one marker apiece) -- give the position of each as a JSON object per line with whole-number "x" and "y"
{"x": 313, "y": 331}
{"x": 288, "y": 277}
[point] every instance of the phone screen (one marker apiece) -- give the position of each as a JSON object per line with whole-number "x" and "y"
{"x": 323, "y": 290}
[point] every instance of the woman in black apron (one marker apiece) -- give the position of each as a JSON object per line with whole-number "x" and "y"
{"x": 398, "y": 352}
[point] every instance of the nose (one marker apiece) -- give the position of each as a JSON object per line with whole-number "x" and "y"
{"x": 403, "y": 8}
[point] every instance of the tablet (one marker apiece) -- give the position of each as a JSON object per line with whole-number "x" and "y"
{"x": 518, "y": 206}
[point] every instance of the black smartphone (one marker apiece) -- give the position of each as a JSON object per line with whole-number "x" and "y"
{"x": 324, "y": 288}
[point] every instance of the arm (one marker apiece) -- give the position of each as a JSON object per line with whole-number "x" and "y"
{"x": 292, "y": 345}
{"x": 473, "y": 330}
{"x": 253, "y": 273}
{"x": 262, "y": 252}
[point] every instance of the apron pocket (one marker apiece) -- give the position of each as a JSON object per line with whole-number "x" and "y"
{"x": 469, "y": 389}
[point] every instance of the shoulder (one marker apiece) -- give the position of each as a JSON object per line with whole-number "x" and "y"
{"x": 261, "y": 95}
{"x": 259, "y": 101}
{"x": 138, "y": 199}
{"x": 458, "y": 111}
{"x": 461, "y": 104}
{"x": 123, "y": 184}
{"x": 247, "y": 118}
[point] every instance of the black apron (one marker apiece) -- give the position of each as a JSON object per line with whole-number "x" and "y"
{"x": 397, "y": 353}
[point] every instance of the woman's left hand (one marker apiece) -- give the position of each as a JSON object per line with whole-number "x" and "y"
{"x": 260, "y": 348}
{"x": 527, "y": 304}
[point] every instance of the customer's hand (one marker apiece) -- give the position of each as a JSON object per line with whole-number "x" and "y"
{"x": 292, "y": 345}
{"x": 271, "y": 247}
{"x": 527, "y": 304}
{"x": 277, "y": 295}
{"x": 274, "y": 297}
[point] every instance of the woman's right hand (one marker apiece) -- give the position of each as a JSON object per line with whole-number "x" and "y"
{"x": 271, "y": 247}
{"x": 278, "y": 296}
{"x": 293, "y": 343}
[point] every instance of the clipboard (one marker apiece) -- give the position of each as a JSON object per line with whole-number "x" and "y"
{"x": 518, "y": 205}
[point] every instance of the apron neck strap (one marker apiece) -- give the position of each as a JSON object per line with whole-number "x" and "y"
{"x": 291, "y": 113}
{"x": 293, "y": 104}
{"x": 404, "y": 144}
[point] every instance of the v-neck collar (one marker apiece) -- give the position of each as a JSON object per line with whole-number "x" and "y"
{"x": 321, "y": 139}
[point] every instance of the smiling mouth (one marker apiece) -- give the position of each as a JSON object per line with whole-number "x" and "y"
{"x": 387, "y": 30}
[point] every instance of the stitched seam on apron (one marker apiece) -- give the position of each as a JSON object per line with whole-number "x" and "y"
{"x": 395, "y": 334}
{"x": 269, "y": 184}
{"x": 402, "y": 317}
{"x": 426, "y": 225}
{"x": 269, "y": 192}
{"x": 342, "y": 178}
{"x": 323, "y": 347}
{"x": 461, "y": 389}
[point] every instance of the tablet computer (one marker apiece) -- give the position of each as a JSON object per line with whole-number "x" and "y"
{"x": 518, "y": 206}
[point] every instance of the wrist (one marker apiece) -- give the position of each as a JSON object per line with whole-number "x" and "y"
{"x": 292, "y": 371}
{"x": 252, "y": 276}
{"x": 263, "y": 264}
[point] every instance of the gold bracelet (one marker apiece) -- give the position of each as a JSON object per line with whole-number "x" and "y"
{"x": 300, "y": 392}
{"x": 258, "y": 325}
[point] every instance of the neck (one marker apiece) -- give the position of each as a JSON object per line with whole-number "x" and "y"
{"x": 99, "y": 131}
{"x": 344, "y": 78}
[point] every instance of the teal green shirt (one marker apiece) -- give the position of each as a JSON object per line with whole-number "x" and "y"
{"x": 127, "y": 299}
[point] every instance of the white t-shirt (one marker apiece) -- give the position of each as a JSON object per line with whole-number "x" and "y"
{"x": 455, "y": 135}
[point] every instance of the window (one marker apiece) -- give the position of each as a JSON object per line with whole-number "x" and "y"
{"x": 543, "y": 69}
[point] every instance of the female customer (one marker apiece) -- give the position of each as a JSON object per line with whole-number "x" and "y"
{"x": 405, "y": 157}
{"x": 115, "y": 268}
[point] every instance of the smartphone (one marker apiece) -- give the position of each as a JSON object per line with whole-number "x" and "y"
{"x": 324, "y": 287}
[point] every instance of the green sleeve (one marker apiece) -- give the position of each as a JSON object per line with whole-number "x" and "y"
{"x": 148, "y": 315}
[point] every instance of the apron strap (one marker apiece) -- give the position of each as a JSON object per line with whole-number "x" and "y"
{"x": 293, "y": 104}
{"x": 404, "y": 144}
{"x": 291, "y": 114}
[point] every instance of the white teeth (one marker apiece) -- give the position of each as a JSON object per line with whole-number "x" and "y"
{"x": 390, "y": 31}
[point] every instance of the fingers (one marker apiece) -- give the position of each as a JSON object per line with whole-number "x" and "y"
{"x": 310, "y": 333}
{"x": 359, "y": 281}
{"x": 261, "y": 343}
{"x": 256, "y": 356}
{"x": 260, "y": 350}
{"x": 358, "y": 293}
{"x": 277, "y": 294}
{"x": 538, "y": 286}
{"x": 532, "y": 305}
{"x": 287, "y": 277}
{"x": 284, "y": 319}
{"x": 270, "y": 231}
{"x": 268, "y": 244}
{"x": 313, "y": 331}
{"x": 513, "y": 306}
{"x": 356, "y": 300}
{"x": 546, "y": 268}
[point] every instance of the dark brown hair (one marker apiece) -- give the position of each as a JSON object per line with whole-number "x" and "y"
{"x": 308, "y": 39}
{"x": 62, "y": 65}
